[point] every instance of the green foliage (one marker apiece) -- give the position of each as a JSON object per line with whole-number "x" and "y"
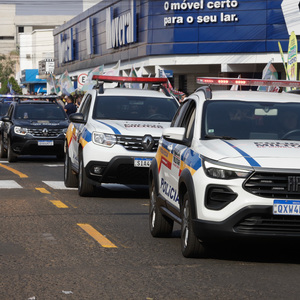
{"x": 7, "y": 68}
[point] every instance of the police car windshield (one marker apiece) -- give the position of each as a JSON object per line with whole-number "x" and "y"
{"x": 251, "y": 120}
{"x": 134, "y": 108}
{"x": 39, "y": 111}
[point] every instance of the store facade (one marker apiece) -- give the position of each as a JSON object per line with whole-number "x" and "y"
{"x": 186, "y": 38}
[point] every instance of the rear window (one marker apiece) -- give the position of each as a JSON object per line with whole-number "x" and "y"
{"x": 40, "y": 112}
{"x": 135, "y": 108}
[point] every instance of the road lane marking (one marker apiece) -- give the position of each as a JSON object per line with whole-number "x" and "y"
{"x": 58, "y": 185}
{"x": 102, "y": 240}
{"x": 59, "y": 204}
{"x": 9, "y": 184}
{"x": 21, "y": 175}
{"x": 42, "y": 190}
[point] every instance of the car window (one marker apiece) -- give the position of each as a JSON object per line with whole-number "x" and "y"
{"x": 85, "y": 108}
{"x": 180, "y": 114}
{"x": 134, "y": 108}
{"x": 4, "y": 108}
{"x": 39, "y": 112}
{"x": 251, "y": 120}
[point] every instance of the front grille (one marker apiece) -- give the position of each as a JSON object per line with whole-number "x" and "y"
{"x": 41, "y": 132}
{"x": 269, "y": 224}
{"x": 135, "y": 143}
{"x": 274, "y": 185}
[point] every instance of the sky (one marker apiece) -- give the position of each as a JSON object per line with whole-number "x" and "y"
{"x": 49, "y": 7}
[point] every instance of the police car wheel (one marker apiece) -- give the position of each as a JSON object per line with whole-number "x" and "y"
{"x": 160, "y": 225}
{"x": 84, "y": 187}
{"x": 3, "y": 152}
{"x": 11, "y": 156}
{"x": 190, "y": 245}
{"x": 70, "y": 178}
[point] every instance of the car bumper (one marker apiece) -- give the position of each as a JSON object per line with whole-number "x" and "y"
{"x": 120, "y": 169}
{"x": 250, "y": 222}
{"x": 25, "y": 146}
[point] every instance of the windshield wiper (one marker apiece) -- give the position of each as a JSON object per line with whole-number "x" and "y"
{"x": 219, "y": 137}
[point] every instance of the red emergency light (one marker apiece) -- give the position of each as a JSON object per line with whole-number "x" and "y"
{"x": 123, "y": 79}
{"x": 247, "y": 82}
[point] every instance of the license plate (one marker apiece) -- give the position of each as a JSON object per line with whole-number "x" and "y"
{"x": 142, "y": 162}
{"x": 45, "y": 143}
{"x": 286, "y": 207}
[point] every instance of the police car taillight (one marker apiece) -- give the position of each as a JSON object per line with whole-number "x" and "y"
{"x": 124, "y": 79}
{"x": 247, "y": 82}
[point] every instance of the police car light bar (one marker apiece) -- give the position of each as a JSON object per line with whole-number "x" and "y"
{"x": 154, "y": 80}
{"x": 247, "y": 82}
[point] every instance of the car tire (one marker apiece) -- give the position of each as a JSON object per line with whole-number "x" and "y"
{"x": 70, "y": 178}
{"x": 3, "y": 152}
{"x": 160, "y": 225}
{"x": 190, "y": 245}
{"x": 11, "y": 156}
{"x": 84, "y": 187}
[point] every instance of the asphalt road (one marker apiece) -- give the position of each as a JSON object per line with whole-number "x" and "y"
{"x": 57, "y": 245}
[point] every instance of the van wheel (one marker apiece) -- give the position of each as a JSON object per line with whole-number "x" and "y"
{"x": 84, "y": 187}
{"x": 190, "y": 245}
{"x": 160, "y": 225}
{"x": 70, "y": 178}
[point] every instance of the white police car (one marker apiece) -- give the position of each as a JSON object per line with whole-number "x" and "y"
{"x": 228, "y": 167}
{"x": 114, "y": 136}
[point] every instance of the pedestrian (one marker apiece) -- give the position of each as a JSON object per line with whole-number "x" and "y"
{"x": 70, "y": 107}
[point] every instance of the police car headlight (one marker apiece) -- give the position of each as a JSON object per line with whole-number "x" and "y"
{"x": 20, "y": 130}
{"x": 103, "y": 139}
{"x": 224, "y": 172}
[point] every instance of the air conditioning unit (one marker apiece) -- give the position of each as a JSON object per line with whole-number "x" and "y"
{"x": 28, "y": 56}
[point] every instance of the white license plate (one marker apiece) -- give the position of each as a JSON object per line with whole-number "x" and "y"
{"x": 45, "y": 143}
{"x": 142, "y": 162}
{"x": 286, "y": 207}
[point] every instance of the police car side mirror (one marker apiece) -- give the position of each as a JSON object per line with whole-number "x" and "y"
{"x": 174, "y": 134}
{"x": 77, "y": 118}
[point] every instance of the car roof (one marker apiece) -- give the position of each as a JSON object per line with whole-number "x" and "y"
{"x": 252, "y": 96}
{"x": 132, "y": 92}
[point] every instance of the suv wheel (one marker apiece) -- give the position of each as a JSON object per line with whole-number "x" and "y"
{"x": 3, "y": 152}
{"x": 190, "y": 245}
{"x": 70, "y": 179}
{"x": 84, "y": 187}
{"x": 11, "y": 156}
{"x": 160, "y": 225}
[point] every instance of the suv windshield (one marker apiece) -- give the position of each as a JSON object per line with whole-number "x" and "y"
{"x": 39, "y": 111}
{"x": 251, "y": 120}
{"x": 134, "y": 108}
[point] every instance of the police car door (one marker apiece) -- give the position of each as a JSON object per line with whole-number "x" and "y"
{"x": 79, "y": 128}
{"x": 170, "y": 171}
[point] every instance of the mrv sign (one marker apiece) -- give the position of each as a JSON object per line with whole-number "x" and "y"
{"x": 121, "y": 30}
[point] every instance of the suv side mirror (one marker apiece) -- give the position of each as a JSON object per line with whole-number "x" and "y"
{"x": 77, "y": 118}
{"x": 174, "y": 134}
{"x": 5, "y": 119}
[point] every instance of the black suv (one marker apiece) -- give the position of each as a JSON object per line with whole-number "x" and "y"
{"x": 33, "y": 126}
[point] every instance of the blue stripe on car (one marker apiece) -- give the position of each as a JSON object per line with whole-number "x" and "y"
{"x": 115, "y": 130}
{"x": 250, "y": 160}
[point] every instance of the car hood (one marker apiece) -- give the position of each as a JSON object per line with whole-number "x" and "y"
{"x": 136, "y": 128}
{"x": 255, "y": 153}
{"x": 38, "y": 123}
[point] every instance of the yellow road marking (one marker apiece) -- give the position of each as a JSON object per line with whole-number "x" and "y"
{"x": 59, "y": 204}
{"x": 43, "y": 190}
{"x": 102, "y": 240}
{"x": 14, "y": 171}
